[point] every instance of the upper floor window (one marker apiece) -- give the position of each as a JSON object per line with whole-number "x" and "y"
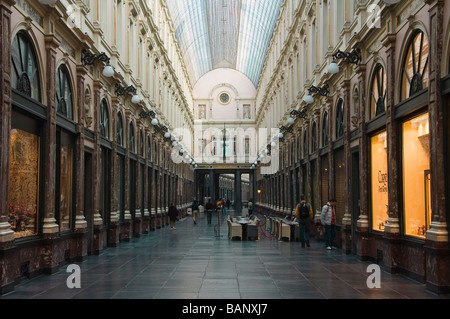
{"x": 415, "y": 66}
{"x": 104, "y": 120}
{"x": 340, "y": 119}
{"x": 314, "y": 138}
{"x": 131, "y": 138}
{"x": 325, "y": 130}
{"x": 119, "y": 130}
{"x": 378, "y": 92}
{"x": 25, "y": 72}
{"x": 141, "y": 143}
{"x": 64, "y": 104}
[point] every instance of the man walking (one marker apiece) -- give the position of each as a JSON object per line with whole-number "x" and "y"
{"x": 304, "y": 215}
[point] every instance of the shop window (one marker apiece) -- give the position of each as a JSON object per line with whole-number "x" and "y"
{"x": 104, "y": 120}
{"x": 340, "y": 119}
{"x": 119, "y": 130}
{"x": 64, "y": 187}
{"x": 120, "y": 185}
{"x": 325, "y": 178}
{"x": 24, "y": 176}
{"x": 325, "y": 130}
{"x": 415, "y": 67}
{"x": 25, "y": 72}
{"x": 378, "y": 92}
{"x": 379, "y": 181}
{"x": 64, "y": 104}
{"x": 339, "y": 180}
{"x": 105, "y": 183}
{"x": 416, "y": 175}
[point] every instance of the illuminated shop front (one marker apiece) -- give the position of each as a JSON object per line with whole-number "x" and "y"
{"x": 416, "y": 175}
{"x": 379, "y": 181}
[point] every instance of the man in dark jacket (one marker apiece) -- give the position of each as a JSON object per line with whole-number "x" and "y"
{"x": 173, "y": 215}
{"x": 210, "y": 207}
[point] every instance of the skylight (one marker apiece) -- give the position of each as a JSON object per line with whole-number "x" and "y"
{"x": 224, "y": 34}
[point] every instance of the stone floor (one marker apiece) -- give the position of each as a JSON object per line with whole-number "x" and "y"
{"x": 192, "y": 262}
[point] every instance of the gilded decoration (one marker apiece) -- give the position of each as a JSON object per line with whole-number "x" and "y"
{"x": 24, "y": 183}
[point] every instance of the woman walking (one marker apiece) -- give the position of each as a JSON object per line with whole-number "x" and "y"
{"x": 173, "y": 215}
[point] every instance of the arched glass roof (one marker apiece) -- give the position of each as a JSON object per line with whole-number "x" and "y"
{"x": 224, "y": 34}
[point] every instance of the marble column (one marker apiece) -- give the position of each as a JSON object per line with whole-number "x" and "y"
{"x": 391, "y": 236}
{"x": 437, "y": 241}
{"x": 6, "y": 234}
{"x": 50, "y": 227}
{"x": 363, "y": 240}
{"x": 347, "y": 218}
{"x": 80, "y": 221}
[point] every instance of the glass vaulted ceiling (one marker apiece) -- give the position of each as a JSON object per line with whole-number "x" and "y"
{"x": 224, "y": 34}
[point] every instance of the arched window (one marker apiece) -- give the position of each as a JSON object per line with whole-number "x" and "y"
{"x": 104, "y": 120}
{"x": 119, "y": 130}
{"x": 314, "y": 137}
{"x": 25, "y": 72}
{"x": 340, "y": 119}
{"x": 132, "y": 141}
{"x": 141, "y": 143}
{"x": 378, "y": 92}
{"x": 325, "y": 130}
{"x": 149, "y": 148}
{"x": 305, "y": 145}
{"x": 64, "y": 104}
{"x": 415, "y": 66}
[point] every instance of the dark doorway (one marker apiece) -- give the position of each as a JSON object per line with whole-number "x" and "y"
{"x": 88, "y": 200}
{"x": 355, "y": 194}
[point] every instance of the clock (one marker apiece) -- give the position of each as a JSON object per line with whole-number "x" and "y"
{"x": 224, "y": 98}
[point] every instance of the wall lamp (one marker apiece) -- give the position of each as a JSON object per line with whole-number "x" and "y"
{"x": 89, "y": 58}
{"x": 287, "y": 129}
{"x": 298, "y": 114}
{"x": 144, "y": 115}
{"x": 159, "y": 129}
{"x": 353, "y": 57}
{"x": 323, "y": 91}
{"x": 120, "y": 91}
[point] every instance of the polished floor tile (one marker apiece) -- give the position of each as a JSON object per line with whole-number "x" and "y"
{"x": 193, "y": 262}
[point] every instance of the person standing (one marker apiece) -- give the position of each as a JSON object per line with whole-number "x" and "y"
{"x": 328, "y": 218}
{"x": 304, "y": 215}
{"x": 173, "y": 215}
{"x": 209, "y": 210}
{"x": 195, "y": 210}
{"x": 223, "y": 206}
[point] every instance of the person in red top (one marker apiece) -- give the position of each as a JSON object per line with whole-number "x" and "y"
{"x": 328, "y": 219}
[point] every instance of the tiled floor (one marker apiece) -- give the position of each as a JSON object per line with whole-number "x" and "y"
{"x": 192, "y": 263}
